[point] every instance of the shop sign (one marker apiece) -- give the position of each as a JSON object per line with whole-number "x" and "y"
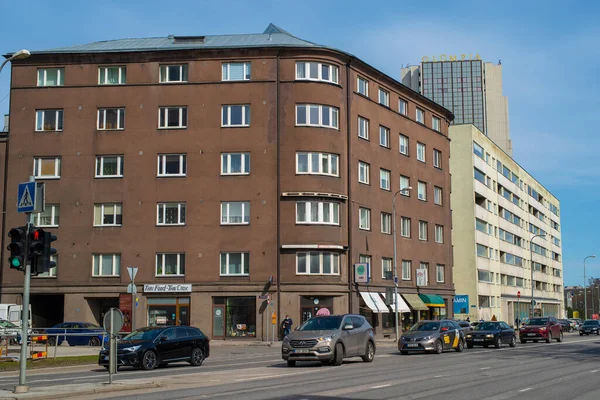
{"x": 461, "y": 304}
{"x": 168, "y": 288}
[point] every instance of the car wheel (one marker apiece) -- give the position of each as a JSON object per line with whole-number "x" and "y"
{"x": 52, "y": 341}
{"x": 469, "y": 345}
{"x": 94, "y": 341}
{"x": 291, "y": 363}
{"x": 370, "y": 352}
{"x": 197, "y": 357}
{"x": 549, "y": 337}
{"x": 497, "y": 342}
{"x": 513, "y": 342}
{"x": 338, "y": 358}
{"x": 523, "y": 341}
{"x": 560, "y": 338}
{"x": 438, "y": 347}
{"x": 148, "y": 360}
{"x": 403, "y": 352}
{"x": 461, "y": 346}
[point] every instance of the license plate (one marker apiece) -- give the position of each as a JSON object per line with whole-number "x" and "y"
{"x": 301, "y": 351}
{"x": 478, "y": 340}
{"x": 531, "y": 334}
{"x": 412, "y": 345}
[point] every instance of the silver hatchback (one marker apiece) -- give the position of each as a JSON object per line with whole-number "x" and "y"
{"x": 330, "y": 339}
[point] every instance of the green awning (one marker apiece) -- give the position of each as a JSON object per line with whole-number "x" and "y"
{"x": 432, "y": 300}
{"x": 414, "y": 301}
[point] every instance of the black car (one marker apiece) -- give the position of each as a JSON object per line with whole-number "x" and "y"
{"x": 150, "y": 347}
{"x": 590, "y": 327}
{"x": 565, "y": 325}
{"x": 493, "y": 333}
{"x": 465, "y": 325}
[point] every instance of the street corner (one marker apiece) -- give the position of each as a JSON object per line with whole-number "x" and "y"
{"x": 77, "y": 391}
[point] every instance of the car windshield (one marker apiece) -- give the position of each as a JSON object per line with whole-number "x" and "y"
{"x": 426, "y": 326}
{"x": 145, "y": 334}
{"x": 487, "y": 326}
{"x": 322, "y": 324}
{"x": 538, "y": 321}
{"x": 590, "y": 323}
{"x": 90, "y": 326}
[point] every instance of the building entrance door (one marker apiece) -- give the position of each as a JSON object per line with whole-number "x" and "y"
{"x": 218, "y": 321}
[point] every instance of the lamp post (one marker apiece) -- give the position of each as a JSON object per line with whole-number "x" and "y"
{"x": 585, "y": 287}
{"x": 395, "y": 268}
{"x": 19, "y": 55}
{"x": 531, "y": 261}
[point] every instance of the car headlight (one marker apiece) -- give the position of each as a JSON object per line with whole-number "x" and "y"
{"x": 326, "y": 338}
{"x": 469, "y": 336}
{"x": 132, "y": 348}
{"x": 543, "y": 328}
{"x": 428, "y": 337}
{"x": 403, "y": 338}
{"x": 490, "y": 336}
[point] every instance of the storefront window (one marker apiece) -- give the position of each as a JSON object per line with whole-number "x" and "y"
{"x": 168, "y": 311}
{"x": 313, "y": 306}
{"x": 234, "y": 317}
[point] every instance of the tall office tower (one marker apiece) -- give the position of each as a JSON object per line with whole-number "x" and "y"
{"x": 471, "y": 89}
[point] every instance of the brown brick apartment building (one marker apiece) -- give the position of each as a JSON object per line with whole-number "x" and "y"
{"x": 213, "y": 163}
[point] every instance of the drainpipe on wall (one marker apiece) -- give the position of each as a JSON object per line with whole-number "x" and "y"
{"x": 278, "y": 198}
{"x": 348, "y": 169}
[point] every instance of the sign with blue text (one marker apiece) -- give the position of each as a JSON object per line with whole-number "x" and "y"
{"x": 461, "y": 304}
{"x": 26, "y": 197}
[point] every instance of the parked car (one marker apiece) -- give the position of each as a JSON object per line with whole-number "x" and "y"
{"x": 576, "y": 323}
{"x": 565, "y": 325}
{"x": 330, "y": 339}
{"x": 589, "y": 327}
{"x": 493, "y": 333}
{"x": 432, "y": 336}
{"x": 76, "y": 334}
{"x": 541, "y": 328}
{"x": 151, "y": 347}
{"x": 465, "y": 326}
{"x": 11, "y": 332}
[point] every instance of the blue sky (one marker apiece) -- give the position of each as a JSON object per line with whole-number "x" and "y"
{"x": 549, "y": 51}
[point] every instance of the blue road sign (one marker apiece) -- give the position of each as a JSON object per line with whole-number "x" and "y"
{"x": 26, "y": 197}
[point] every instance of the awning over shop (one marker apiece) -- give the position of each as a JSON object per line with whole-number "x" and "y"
{"x": 374, "y": 302}
{"x": 432, "y": 300}
{"x": 402, "y": 306}
{"x": 415, "y": 302}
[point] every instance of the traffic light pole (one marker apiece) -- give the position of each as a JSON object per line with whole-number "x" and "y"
{"x": 21, "y": 387}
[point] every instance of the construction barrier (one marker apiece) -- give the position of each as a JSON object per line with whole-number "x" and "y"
{"x": 38, "y": 354}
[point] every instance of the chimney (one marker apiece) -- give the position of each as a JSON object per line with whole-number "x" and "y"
{"x": 5, "y": 128}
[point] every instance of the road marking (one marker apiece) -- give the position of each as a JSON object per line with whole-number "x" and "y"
{"x": 439, "y": 376}
{"x": 381, "y": 386}
{"x": 525, "y": 390}
{"x": 595, "y": 370}
{"x": 485, "y": 368}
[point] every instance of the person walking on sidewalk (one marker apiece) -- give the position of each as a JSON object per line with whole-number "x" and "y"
{"x": 287, "y": 325}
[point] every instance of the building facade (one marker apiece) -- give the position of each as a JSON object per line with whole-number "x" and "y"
{"x": 226, "y": 168}
{"x": 499, "y": 211}
{"x": 471, "y": 89}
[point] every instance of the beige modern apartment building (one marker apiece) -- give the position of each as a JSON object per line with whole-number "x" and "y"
{"x": 497, "y": 209}
{"x": 469, "y": 87}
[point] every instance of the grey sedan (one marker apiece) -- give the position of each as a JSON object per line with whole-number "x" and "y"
{"x": 432, "y": 336}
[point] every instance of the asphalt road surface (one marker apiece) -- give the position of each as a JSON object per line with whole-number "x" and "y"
{"x": 568, "y": 370}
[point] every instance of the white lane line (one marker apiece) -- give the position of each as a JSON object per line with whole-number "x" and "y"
{"x": 484, "y": 368}
{"x": 595, "y": 370}
{"x": 381, "y": 386}
{"x": 525, "y": 390}
{"x": 439, "y": 376}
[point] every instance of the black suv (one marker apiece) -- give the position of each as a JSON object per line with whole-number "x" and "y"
{"x": 150, "y": 347}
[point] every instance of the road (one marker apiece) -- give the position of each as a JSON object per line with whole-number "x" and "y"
{"x": 568, "y": 370}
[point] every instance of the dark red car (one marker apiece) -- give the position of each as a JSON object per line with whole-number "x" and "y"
{"x": 541, "y": 328}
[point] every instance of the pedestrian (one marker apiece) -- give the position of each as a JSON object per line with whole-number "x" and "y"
{"x": 287, "y": 325}
{"x": 468, "y": 319}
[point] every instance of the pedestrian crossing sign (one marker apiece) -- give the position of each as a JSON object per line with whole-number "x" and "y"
{"x": 30, "y": 197}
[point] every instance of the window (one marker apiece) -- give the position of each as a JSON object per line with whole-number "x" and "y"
{"x": 172, "y": 117}
{"x": 106, "y": 265}
{"x": 422, "y": 191}
{"x": 51, "y": 77}
{"x": 170, "y": 214}
{"x": 235, "y": 163}
{"x": 171, "y": 165}
{"x": 170, "y": 264}
{"x": 363, "y": 172}
{"x": 482, "y": 226}
{"x": 420, "y": 116}
{"x": 235, "y": 264}
{"x": 317, "y": 263}
{"x": 317, "y": 212}
{"x": 317, "y": 115}
{"x": 112, "y": 75}
{"x": 365, "y": 219}
{"x": 46, "y": 167}
{"x": 173, "y": 73}
{"x": 484, "y": 301}
{"x": 49, "y": 120}
{"x": 440, "y": 269}
{"x": 384, "y": 179}
{"x": 403, "y": 144}
{"x": 316, "y": 71}
{"x": 111, "y": 119}
{"x": 109, "y": 166}
{"x": 49, "y": 218}
{"x": 484, "y": 276}
{"x": 435, "y": 124}
{"x": 437, "y": 158}
{"x": 235, "y": 115}
{"x": 386, "y": 223}
{"x": 439, "y": 234}
{"x": 405, "y": 227}
{"x": 239, "y": 71}
{"x": 478, "y": 150}
{"x": 363, "y": 128}
{"x": 384, "y": 97}
{"x": 482, "y": 251}
{"x": 317, "y": 164}
{"x": 422, "y": 230}
{"x": 364, "y": 259}
{"x": 421, "y": 152}
{"x": 386, "y": 269}
{"x": 384, "y": 136}
{"x": 402, "y": 107}
{"x": 424, "y": 267}
{"x": 51, "y": 273}
{"x": 480, "y": 176}
{"x": 437, "y": 195}
{"x": 235, "y": 213}
{"x": 362, "y": 86}
{"x": 404, "y": 184}
{"x": 108, "y": 214}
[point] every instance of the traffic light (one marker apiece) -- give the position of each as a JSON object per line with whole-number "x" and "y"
{"x": 18, "y": 242}
{"x": 41, "y": 262}
{"x": 36, "y": 242}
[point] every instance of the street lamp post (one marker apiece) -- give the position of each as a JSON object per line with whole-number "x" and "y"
{"x": 531, "y": 261}
{"x": 395, "y": 268}
{"x": 19, "y": 55}
{"x": 585, "y": 287}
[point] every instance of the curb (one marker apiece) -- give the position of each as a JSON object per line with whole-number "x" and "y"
{"x": 115, "y": 387}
